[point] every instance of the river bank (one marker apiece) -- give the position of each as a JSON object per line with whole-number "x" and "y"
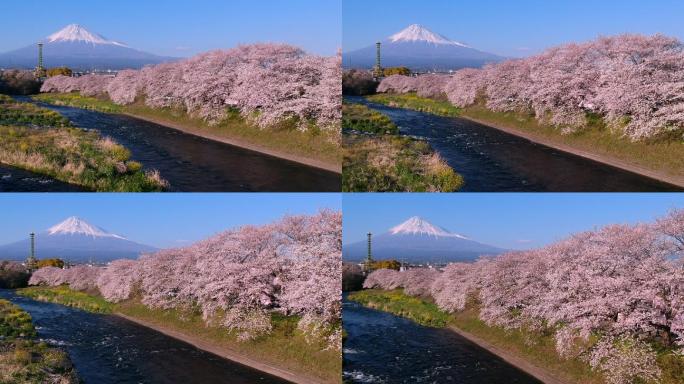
{"x": 377, "y": 159}
{"x": 661, "y": 160}
{"x": 23, "y": 358}
{"x": 284, "y": 353}
{"x": 384, "y": 348}
{"x": 532, "y": 354}
{"x": 43, "y": 142}
{"x": 314, "y": 150}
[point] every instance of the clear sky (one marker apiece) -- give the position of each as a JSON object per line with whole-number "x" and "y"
{"x": 510, "y": 28}
{"x": 179, "y": 27}
{"x": 162, "y": 220}
{"x": 507, "y": 220}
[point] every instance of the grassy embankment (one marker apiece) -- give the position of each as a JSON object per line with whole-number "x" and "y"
{"x": 535, "y": 348}
{"x": 376, "y": 158}
{"x": 285, "y": 138}
{"x": 663, "y": 155}
{"x": 286, "y": 347}
{"x": 43, "y": 141}
{"x": 23, "y": 360}
{"x": 414, "y": 102}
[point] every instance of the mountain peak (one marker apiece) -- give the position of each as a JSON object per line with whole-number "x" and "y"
{"x": 419, "y": 226}
{"x": 76, "y": 226}
{"x": 77, "y": 33}
{"x": 418, "y": 33}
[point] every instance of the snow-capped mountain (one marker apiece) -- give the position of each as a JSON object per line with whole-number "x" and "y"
{"x": 420, "y": 49}
{"x": 76, "y": 33}
{"x": 417, "y": 33}
{"x": 78, "y": 48}
{"x": 417, "y": 241}
{"x": 76, "y": 226}
{"x": 76, "y": 241}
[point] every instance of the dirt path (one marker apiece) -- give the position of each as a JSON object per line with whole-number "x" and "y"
{"x": 618, "y": 163}
{"x": 226, "y": 353}
{"x": 337, "y": 168}
{"x": 538, "y": 373}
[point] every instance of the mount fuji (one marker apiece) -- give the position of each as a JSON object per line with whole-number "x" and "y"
{"x": 76, "y": 241}
{"x": 418, "y": 241}
{"x": 77, "y": 48}
{"x": 420, "y": 49}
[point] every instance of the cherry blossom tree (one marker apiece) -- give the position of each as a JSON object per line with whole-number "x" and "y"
{"x": 633, "y": 82}
{"x": 117, "y": 281}
{"x": 608, "y": 295}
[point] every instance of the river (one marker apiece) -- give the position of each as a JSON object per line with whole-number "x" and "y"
{"x": 194, "y": 164}
{"x": 383, "y": 348}
{"x": 18, "y": 180}
{"x": 491, "y": 160}
{"x": 107, "y": 349}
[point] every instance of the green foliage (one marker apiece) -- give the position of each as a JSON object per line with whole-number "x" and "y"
{"x": 77, "y": 101}
{"x": 394, "y": 164}
{"x": 58, "y": 263}
{"x": 16, "y": 113}
{"x": 75, "y": 156}
{"x": 395, "y": 302}
{"x": 15, "y": 322}
{"x": 363, "y": 119}
{"x": 70, "y": 298}
{"x": 414, "y": 102}
{"x": 386, "y": 264}
{"x": 57, "y": 71}
{"x": 22, "y": 359}
{"x": 404, "y": 71}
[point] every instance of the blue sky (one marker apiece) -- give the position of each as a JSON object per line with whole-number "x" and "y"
{"x": 508, "y": 220}
{"x": 179, "y": 27}
{"x": 510, "y": 28}
{"x": 162, "y": 220}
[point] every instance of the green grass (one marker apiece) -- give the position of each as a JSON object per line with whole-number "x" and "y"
{"x": 395, "y": 302}
{"x": 394, "y": 164}
{"x": 42, "y": 141}
{"x": 285, "y": 346}
{"x": 22, "y": 359}
{"x": 376, "y": 159}
{"x": 285, "y": 138}
{"x": 78, "y": 101}
{"x": 76, "y": 156}
{"x": 15, "y": 322}
{"x": 538, "y": 348}
{"x": 416, "y": 103}
{"x": 65, "y": 296}
{"x": 15, "y": 113}
{"x": 360, "y": 118}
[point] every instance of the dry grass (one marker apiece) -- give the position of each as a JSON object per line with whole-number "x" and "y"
{"x": 394, "y": 164}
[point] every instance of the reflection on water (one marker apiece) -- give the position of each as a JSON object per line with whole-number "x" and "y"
{"x": 108, "y": 349}
{"x": 383, "y": 348}
{"x": 491, "y": 160}
{"x": 195, "y": 164}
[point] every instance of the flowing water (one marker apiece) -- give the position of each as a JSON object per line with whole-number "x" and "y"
{"x": 383, "y": 348}
{"x": 107, "y": 349}
{"x": 491, "y": 160}
{"x": 194, "y": 164}
{"x": 18, "y": 180}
